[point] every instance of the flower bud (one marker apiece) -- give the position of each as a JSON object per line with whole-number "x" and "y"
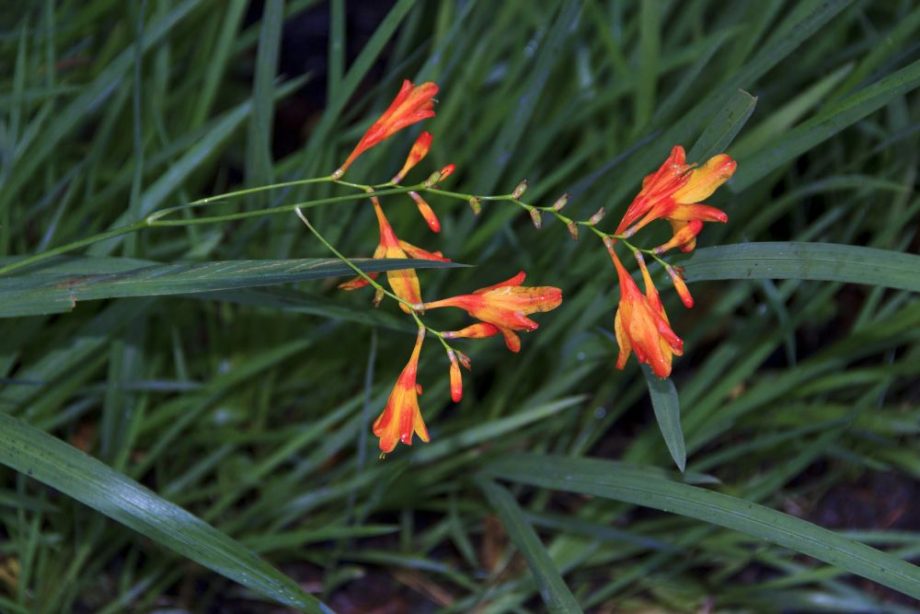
{"x": 597, "y": 217}
{"x": 456, "y": 380}
{"x": 427, "y": 212}
{"x": 433, "y": 178}
{"x": 536, "y": 217}
{"x": 475, "y": 205}
{"x": 447, "y": 171}
{"x": 572, "y": 227}
{"x": 519, "y": 189}
{"x": 561, "y": 202}
{"x": 682, "y": 290}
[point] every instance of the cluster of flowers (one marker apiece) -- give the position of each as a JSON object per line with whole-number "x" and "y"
{"x": 501, "y": 308}
{"x": 671, "y": 193}
{"x": 674, "y": 193}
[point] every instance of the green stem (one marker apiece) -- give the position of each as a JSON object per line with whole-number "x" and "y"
{"x": 155, "y": 219}
{"x": 263, "y": 188}
{"x": 63, "y": 249}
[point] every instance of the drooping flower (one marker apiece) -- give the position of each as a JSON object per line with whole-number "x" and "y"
{"x": 416, "y": 154}
{"x": 505, "y": 306}
{"x": 674, "y": 192}
{"x": 641, "y": 324}
{"x": 404, "y": 282}
{"x": 412, "y": 104}
{"x": 402, "y": 416}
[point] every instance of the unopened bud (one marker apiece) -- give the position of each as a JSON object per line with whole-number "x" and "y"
{"x": 464, "y": 360}
{"x": 572, "y": 227}
{"x": 536, "y": 217}
{"x": 433, "y": 178}
{"x": 475, "y": 205}
{"x": 447, "y": 171}
{"x": 520, "y": 189}
{"x": 682, "y": 290}
{"x": 597, "y": 217}
{"x": 561, "y": 202}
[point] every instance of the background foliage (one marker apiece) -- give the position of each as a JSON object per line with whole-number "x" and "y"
{"x": 231, "y": 427}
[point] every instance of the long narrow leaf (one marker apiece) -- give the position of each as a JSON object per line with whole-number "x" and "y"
{"x": 816, "y": 261}
{"x": 604, "y": 479}
{"x": 553, "y": 590}
{"x": 53, "y": 462}
{"x": 59, "y": 286}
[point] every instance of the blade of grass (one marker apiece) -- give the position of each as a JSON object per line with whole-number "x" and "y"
{"x": 817, "y": 261}
{"x": 555, "y": 594}
{"x": 95, "y": 484}
{"x": 603, "y": 479}
{"x": 667, "y": 414}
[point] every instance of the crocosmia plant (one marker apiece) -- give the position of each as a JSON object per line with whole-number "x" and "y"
{"x": 674, "y": 193}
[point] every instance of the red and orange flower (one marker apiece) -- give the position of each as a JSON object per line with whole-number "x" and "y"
{"x": 404, "y": 282}
{"x": 674, "y": 192}
{"x": 412, "y": 104}
{"x": 402, "y": 417}
{"x": 641, "y": 324}
{"x": 505, "y": 306}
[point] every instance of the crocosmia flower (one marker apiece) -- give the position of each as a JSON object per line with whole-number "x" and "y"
{"x": 404, "y": 282}
{"x": 505, "y": 306}
{"x": 674, "y": 192}
{"x": 641, "y": 325}
{"x": 412, "y": 104}
{"x": 402, "y": 416}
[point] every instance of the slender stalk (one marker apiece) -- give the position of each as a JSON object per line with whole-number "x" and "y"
{"x": 63, "y": 249}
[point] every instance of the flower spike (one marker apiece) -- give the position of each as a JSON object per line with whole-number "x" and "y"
{"x": 412, "y": 104}
{"x": 402, "y": 416}
{"x": 505, "y": 306}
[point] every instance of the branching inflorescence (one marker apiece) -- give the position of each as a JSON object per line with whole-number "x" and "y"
{"x": 674, "y": 193}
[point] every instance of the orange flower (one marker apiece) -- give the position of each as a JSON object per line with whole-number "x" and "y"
{"x": 412, "y": 104}
{"x": 404, "y": 282}
{"x": 641, "y": 323}
{"x": 416, "y": 154}
{"x": 673, "y": 193}
{"x": 402, "y": 417}
{"x": 505, "y": 306}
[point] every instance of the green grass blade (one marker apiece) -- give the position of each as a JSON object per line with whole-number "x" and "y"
{"x": 553, "y": 590}
{"x": 667, "y": 414}
{"x": 825, "y": 125}
{"x": 721, "y": 131}
{"x": 259, "y": 142}
{"x": 65, "y": 468}
{"x": 816, "y": 261}
{"x": 604, "y": 479}
{"x": 59, "y": 287}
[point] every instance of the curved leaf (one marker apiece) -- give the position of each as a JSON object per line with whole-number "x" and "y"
{"x": 56, "y": 285}
{"x": 816, "y": 261}
{"x": 556, "y": 595}
{"x": 649, "y": 489}
{"x": 61, "y": 466}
